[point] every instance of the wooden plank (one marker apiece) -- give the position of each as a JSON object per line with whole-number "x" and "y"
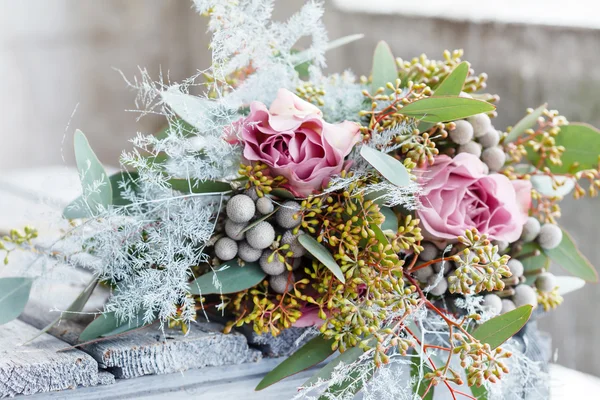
{"x": 284, "y": 344}
{"x": 37, "y": 367}
{"x": 223, "y": 383}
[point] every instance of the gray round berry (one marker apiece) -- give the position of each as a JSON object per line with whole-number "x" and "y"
{"x": 292, "y": 239}
{"x": 430, "y": 252}
{"x": 550, "y": 236}
{"x": 531, "y": 229}
{"x": 273, "y": 267}
{"x": 281, "y": 283}
{"x": 247, "y": 252}
{"x": 296, "y": 263}
{"x": 439, "y": 288}
{"x": 524, "y": 294}
{"x": 502, "y": 245}
{"x": 490, "y": 139}
{"x": 234, "y": 230}
{"x": 481, "y": 124}
{"x": 516, "y": 267}
{"x": 471, "y": 148}
{"x": 507, "y": 305}
{"x": 462, "y": 133}
{"x": 226, "y": 249}
{"x": 492, "y": 302}
{"x": 264, "y": 205}
{"x": 252, "y": 194}
{"x": 494, "y": 158}
{"x": 261, "y": 235}
{"x": 423, "y": 274}
{"x": 545, "y": 282}
{"x": 240, "y": 208}
{"x": 287, "y": 212}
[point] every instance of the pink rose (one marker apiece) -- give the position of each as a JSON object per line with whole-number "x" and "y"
{"x": 458, "y": 195}
{"x": 295, "y": 142}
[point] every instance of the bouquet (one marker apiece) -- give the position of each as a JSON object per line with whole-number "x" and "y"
{"x": 386, "y": 215}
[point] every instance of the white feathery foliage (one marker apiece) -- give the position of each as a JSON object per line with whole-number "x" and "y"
{"x": 343, "y": 99}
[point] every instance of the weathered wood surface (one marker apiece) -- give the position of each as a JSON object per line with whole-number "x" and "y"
{"x": 38, "y": 367}
{"x": 286, "y": 343}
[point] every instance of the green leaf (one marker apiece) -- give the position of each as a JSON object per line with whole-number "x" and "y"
{"x": 259, "y": 220}
{"x": 581, "y": 143}
{"x": 107, "y": 325}
{"x": 479, "y": 392}
{"x": 126, "y": 177}
{"x": 178, "y": 126}
{"x": 196, "y": 186}
{"x": 419, "y": 385}
{"x": 384, "y": 67}
{"x": 570, "y": 258}
{"x": 533, "y": 263}
{"x": 282, "y": 193}
{"x": 347, "y": 357}
{"x": 232, "y": 277}
{"x": 97, "y": 190}
{"x": 568, "y": 284}
{"x": 446, "y": 108}
{"x": 453, "y": 84}
{"x": 312, "y": 353}
{"x": 190, "y": 108}
{"x": 527, "y": 122}
{"x": 391, "y": 220}
{"x": 322, "y": 254}
{"x": 544, "y": 184}
{"x": 73, "y": 310}
{"x": 391, "y": 169}
{"x": 14, "y": 294}
{"x": 501, "y": 328}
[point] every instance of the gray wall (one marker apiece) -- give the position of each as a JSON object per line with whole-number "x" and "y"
{"x": 57, "y": 54}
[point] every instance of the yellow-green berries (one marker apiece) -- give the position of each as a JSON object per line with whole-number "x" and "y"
{"x": 492, "y": 303}
{"x": 494, "y": 158}
{"x": 248, "y": 253}
{"x": 531, "y": 229}
{"x": 550, "y": 236}
{"x": 546, "y": 282}
{"x": 226, "y": 249}
{"x": 234, "y": 230}
{"x": 471, "y": 148}
{"x": 288, "y": 216}
{"x": 281, "y": 283}
{"x": 481, "y": 123}
{"x": 516, "y": 267}
{"x": 525, "y": 294}
{"x": 240, "y": 208}
{"x": 264, "y": 205}
{"x": 271, "y": 264}
{"x": 261, "y": 235}
{"x": 291, "y": 239}
{"x": 463, "y": 133}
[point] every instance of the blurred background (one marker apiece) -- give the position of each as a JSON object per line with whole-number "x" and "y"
{"x": 58, "y": 61}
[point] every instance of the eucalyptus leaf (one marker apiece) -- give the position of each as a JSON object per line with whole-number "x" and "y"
{"x": 178, "y": 126}
{"x": 312, "y": 353}
{"x": 259, "y": 220}
{"x": 191, "y": 109}
{"x": 14, "y": 294}
{"x": 384, "y": 67}
{"x": 453, "y": 84}
{"x": 321, "y": 253}
{"x": 533, "y": 263}
{"x": 581, "y": 143}
{"x": 527, "y": 122}
{"x": 391, "y": 220}
{"x": 124, "y": 177}
{"x": 545, "y": 185}
{"x": 97, "y": 189}
{"x": 501, "y": 328}
{"x": 445, "y": 108}
{"x": 107, "y": 324}
{"x": 568, "y": 284}
{"x": 570, "y": 258}
{"x": 196, "y": 186}
{"x": 232, "y": 278}
{"x": 390, "y": 168}
{"x": 282, "y": 194}
{"x": 479, "y": 392}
